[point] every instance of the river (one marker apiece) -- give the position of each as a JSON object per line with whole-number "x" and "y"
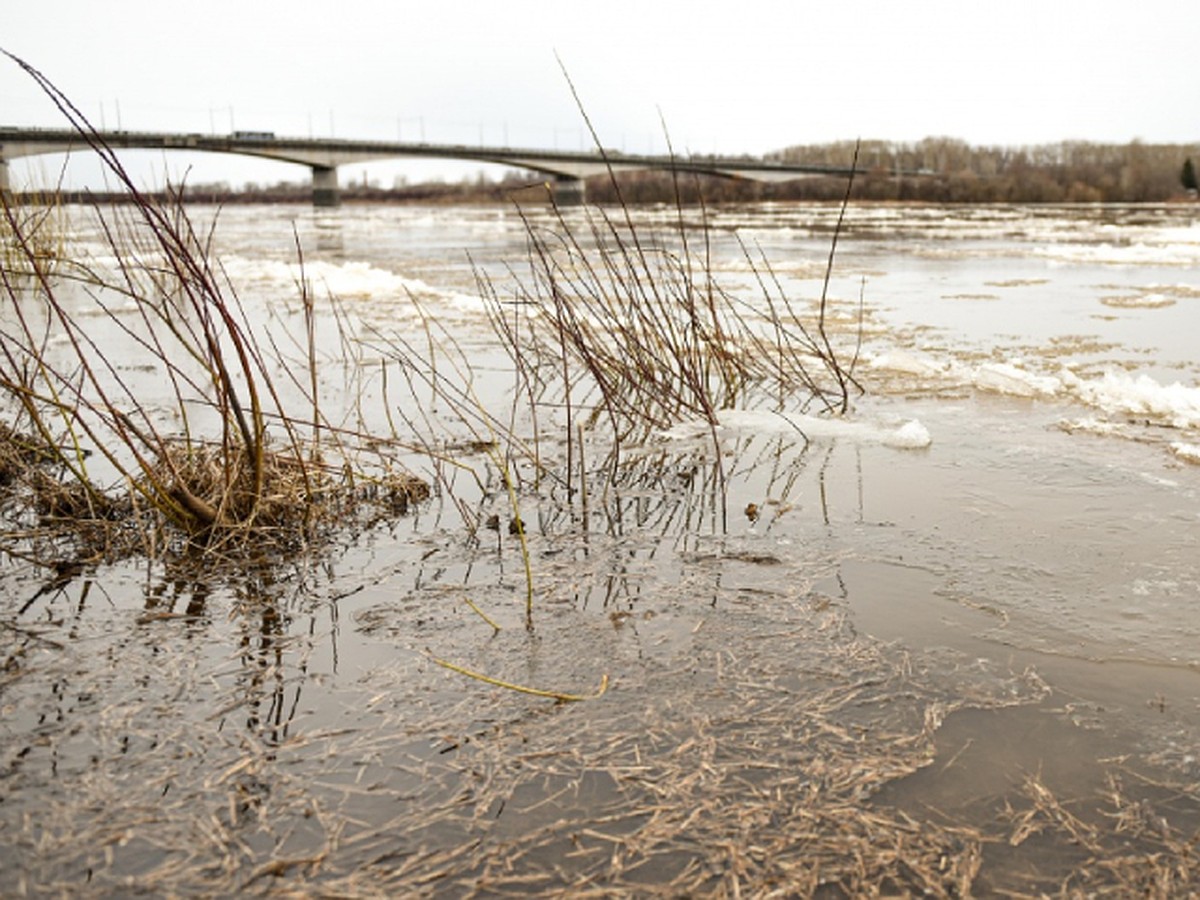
{"x": 961, "y": 621}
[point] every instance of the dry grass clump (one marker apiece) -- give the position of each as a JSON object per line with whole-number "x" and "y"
{"x": 626, "y": 329}
{"x": 634, "y": 328}
{"x": 217, "y": 488}
{"x": 203, "y": 464}
{"x": 55, "y": 522}
{"x": 615, "y": 333}
{"x": 393, "y": 492}
{"x": 58, "y": 501}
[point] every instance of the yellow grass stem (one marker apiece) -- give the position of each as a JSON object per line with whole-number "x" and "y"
{"x": 522, "y": 689}
{"x": 583, "y": 490}
{"x": 512, "y": 499}
{"x": 479, "y": 612}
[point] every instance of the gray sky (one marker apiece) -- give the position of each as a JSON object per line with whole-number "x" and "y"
{"x": 733, "y": 77}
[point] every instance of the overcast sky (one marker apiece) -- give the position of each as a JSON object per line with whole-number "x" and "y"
{"x": 745, "y": 76}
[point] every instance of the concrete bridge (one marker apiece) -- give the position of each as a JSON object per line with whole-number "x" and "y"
{"x": 566, "y": 169}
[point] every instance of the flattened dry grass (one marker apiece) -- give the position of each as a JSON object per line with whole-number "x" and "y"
{"x": 1117, "y": 844}
{"x": 727, "y": 771}
{"x": 730, "y": 776}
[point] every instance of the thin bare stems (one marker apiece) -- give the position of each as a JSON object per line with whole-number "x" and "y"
{"x": 162, "y": 309}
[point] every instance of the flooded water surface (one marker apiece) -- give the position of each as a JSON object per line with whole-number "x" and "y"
{"x": 948, "y": 642}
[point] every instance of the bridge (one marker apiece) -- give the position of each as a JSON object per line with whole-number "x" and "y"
{"x": 565, "y": 169}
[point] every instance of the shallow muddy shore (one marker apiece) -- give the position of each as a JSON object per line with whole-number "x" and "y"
{"x": 944, "y": 645}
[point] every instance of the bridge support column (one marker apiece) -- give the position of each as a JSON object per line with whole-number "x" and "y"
{"x": 5, "y": 187}
{"x": 325, "y": 186}
{"x": 568, "y": 191}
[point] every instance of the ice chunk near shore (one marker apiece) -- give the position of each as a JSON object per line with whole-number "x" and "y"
{"x": 1000, "y": 377}
{"x": 1187, "y": 452}
{"x": 910, "y": 435}
{"x": 1175, "y": 404}
{"x": 1006, "y": 378}
{"x": 908, "y": 364}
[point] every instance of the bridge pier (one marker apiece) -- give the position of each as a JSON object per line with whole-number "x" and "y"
{"x": 325, "y": 186}
{"x": 568, "y": 191}
{"x": 5, "y": 187}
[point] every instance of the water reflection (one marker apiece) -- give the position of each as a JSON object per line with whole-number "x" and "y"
{"x": 330, "y": 236}
{"x": 662, "y": 516}
{"x": 165, "y": 596}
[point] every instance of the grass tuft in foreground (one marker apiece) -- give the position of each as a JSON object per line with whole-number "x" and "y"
{"x": 229, "y": 463}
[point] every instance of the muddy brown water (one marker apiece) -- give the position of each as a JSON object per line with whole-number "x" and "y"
{"x": 964, "y": 668}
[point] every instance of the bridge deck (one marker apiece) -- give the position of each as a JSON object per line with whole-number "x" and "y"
{"x": 333, "y": 152}
{"x": 324, "y": 155}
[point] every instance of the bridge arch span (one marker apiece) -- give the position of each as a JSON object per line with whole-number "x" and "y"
{"x": 323, "y": 156}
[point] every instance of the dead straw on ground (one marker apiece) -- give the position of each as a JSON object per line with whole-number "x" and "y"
{"x": 744, "y": 773}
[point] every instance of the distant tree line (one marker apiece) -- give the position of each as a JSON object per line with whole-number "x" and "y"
{"x": 951, "y": 171}
{"x": 1065, "y": 172}
{"x": 468, "y": 190}
{"x": 478, "y": 190}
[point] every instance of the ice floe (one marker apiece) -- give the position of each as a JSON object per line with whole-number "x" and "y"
{"x": 909, "y": 435}
{"x": 1175, "y": 404}
{"x": 1187, "y": 452}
